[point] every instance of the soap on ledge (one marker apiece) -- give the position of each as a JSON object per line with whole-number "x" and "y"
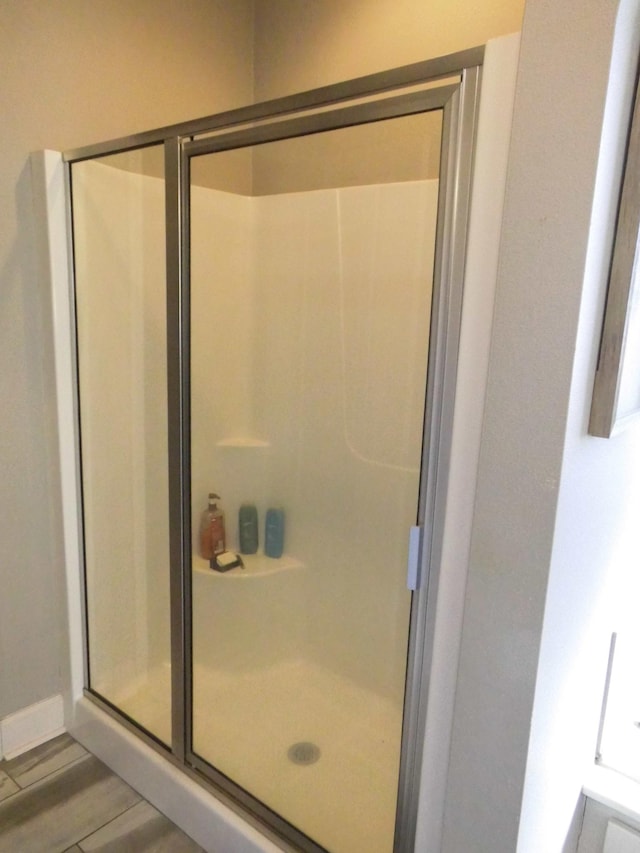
{"x": 225, "y": 561}
{"x": 254, "y": 566}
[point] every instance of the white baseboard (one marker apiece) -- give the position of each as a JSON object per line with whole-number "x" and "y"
{"x": 31, "y": 726}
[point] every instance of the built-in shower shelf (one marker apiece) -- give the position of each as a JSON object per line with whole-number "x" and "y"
{"x": 255, "y": 565}
{"x": 240, "y": 441}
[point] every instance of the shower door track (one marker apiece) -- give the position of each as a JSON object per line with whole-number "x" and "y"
{"x": 361, "y": 101}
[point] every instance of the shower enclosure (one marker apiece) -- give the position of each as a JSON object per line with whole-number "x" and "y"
{"x": 266, "y": 307}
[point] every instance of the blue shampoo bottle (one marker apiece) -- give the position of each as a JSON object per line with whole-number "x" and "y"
{"x": 248, "y": 529}
{"x": 274, "y": 532}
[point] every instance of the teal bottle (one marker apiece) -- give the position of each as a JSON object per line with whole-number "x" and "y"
{"x": 274, "y": 533}
{"x": 248, "y": 529}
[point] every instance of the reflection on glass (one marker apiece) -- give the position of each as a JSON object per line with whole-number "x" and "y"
{"x": 118, "y": 210}
{"x": 310, "y": 307}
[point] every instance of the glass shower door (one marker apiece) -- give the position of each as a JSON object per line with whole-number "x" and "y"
{"x": 119, "y": 253}
{"x": 311, "y": 267}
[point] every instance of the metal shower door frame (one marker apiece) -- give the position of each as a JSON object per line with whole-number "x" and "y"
{"x": 459, "y": 105}
{"x": 422, "y": 86}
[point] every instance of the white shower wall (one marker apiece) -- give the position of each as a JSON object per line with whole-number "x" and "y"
{"x": 316, "y": 350}
{"x": 309, "y": 339}
{"x": 120, "y": 271}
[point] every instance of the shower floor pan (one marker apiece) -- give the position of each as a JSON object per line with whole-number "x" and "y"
{"x": 246, "y": 723}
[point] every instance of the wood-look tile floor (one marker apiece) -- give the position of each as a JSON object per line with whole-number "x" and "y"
{"x": 58, "y": 798}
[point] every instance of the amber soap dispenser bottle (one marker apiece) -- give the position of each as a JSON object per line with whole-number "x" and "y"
{"x": 212, "y": 538}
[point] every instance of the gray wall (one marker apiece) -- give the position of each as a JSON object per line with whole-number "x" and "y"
{"x": 75, "y": 72}
{"x": 550, "y": 503}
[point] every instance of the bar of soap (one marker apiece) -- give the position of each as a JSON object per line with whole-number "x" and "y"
{"x": 227, "y": 560}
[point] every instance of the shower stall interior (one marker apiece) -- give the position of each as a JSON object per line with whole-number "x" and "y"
{"x": 266, "y": 306}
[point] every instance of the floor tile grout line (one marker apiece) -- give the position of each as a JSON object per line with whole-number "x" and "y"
{"x": 23, "y": 788}
{"x": 7, "y": 797}
{"x": 8, "y": 773}
{"x": 79, "y": 841}
{"x": 79, "y": 836}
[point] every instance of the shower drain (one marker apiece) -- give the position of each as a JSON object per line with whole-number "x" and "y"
{"x": 303, "y": 752}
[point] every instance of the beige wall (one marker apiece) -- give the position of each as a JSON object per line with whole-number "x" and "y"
{"x": 402, "y": 149}
{"x": 74, "y": 72}
{"x": 554, "y": 507}
{"x": 301, "y": 44}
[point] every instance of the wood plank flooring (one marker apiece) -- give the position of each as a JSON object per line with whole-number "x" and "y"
{"x": 58, "y": 798}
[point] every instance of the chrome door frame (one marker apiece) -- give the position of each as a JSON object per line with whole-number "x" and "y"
{"x": 459, "y": 133}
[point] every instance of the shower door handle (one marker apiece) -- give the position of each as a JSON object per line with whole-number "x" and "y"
{"x": 413, "y": 561}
